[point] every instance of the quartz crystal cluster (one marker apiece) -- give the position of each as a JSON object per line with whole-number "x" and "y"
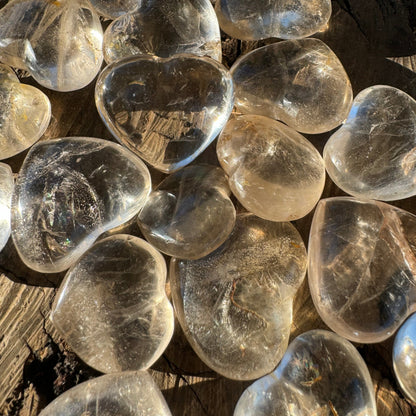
{"x": 189, "y": 26}
{"x": 6, "y": 189}
{"x": 121, "y": 394}
{"x": 24, "y": 116}
{"x": 112, "y": 307}
{"x": 321, "y": 373}
{"x": 404, "y": 357}
{"x": 235, "y": 305}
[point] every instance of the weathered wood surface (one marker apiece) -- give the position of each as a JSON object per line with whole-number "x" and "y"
{"x": 375, "y": 41}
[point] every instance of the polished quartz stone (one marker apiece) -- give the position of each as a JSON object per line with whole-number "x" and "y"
{"x": 164, "y": 28}
{"x": 6, "y": 190}
{"x": 190, "y": 213}
{"x": 68, "y": 192}
{"x": 404, "y": 357}
{"x": 273, "y": 170}
{"x": 167, "y": 111}
{"x": 362, "y": 267}
{"x": 112, "y": 309}
{"x": 122, "y": 394}
{"x": 321, "y": 374}
{"x": 112, "y": 9}
{"x": 235, "y": 305}
{"x": 373, "y": 154}
{"x": 261, "y": 19}
{"x": 25, "y": 114}
{"x": 62, "y": 45}
{"x": 301, "y": 83}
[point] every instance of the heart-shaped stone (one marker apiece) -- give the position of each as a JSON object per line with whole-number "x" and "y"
{"x": 362, "y": 267}
{"x": 123, "y": 394}
{"x": 373, "y": 154}
{"x": 321, "y": 373}
{"x": 167, "y": 111}
{"x": 273, "y": 170}
{"x": 112, "y": 308}
{"x": 301, "y": 83}
{"x": 165, "y": 28}
{"x": 68, "y": 192}
{"x": 261, "y": 19}
{"x": 404, "y": 357}
{"x": 235, "y": 305}
{"x": 25, "y": 114}
{"x": 190, "y": 213}
{"x": 111, "y": 9}
{"x": 6, "y": 190}
{"x": 58, "y": 42}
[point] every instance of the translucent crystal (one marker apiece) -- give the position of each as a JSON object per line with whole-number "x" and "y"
{"x": 6, "y": 190}
{"x": 362, "y": 267}
{"x": 115, "y": 8}
{"x": 112, "y": 309}
{"x": 164, "y": 28}
{"x": 58, "y": 42}
{"x": 273, "y": 170}
{"x": 261, "y": 19}
{"x": 190, "y": 213}
{"x": 301, "y": 83}
{"x": 235, "y": 305}
{"x": 68, "y": 192}
{"x": 404, "y": 357}
{"x": 167, "y": 111}
{"x": 373, "y": 154}
{"x": 320, "y": 374}
{"x": 123, "y": 394}
{"x": 25, "y": 114}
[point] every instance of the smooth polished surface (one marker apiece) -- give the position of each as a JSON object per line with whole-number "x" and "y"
{"x": 122, "y": 394}
{"x": 301, "y": 83}
{"x": 165, "y": 28}
{"x": 112, "y": 307}
{"x": 68, "y": 192}
{"x": 261, "y": 19}
{"x": 62, "y": 45}
{"x": 373, "y": 154}
{"x": 273, "y": 170}
{"x": 112, "y": 9}
{"x": 404, "y": 357}
{"x": 235, "y": 305}
{"x": 167, "y": 111}
{"x": 190, "y": 213}
{"x": 320, "y": 374}
{"x": 362, "y": 267}
{"x": 25, "y": 114}
{"x": 6, "y": 190}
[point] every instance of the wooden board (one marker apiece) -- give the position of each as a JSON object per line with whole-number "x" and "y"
{"x": 375, "y": 41}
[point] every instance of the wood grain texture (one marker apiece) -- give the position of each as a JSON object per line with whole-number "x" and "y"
{"x": 375, "y": 41}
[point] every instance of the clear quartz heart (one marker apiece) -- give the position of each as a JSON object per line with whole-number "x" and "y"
{"x": 112, "y": 309}
{"x": 165, "y": 28}
{"x": 321, "y": 373}
{"x": 373, "y": 154}
{"x": 6, "y": 190}
{"x": 301, "y": 83}
{"x": 190, "y": 213}
{"x": 67, "y": 193}
{"x": 122, "y": 394}
{"x": 25, "y": 114}
{"x": 112, "y": 9}
{"x": 362, "y": 267}
{"x": 261, "y": 19}
{"x": 404, "y": 357}
{"x": 235, "y": 305}
{"x": 273, "y": 170}
{"x": 62, "y": 45}
{"x": 167, "y": 111}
